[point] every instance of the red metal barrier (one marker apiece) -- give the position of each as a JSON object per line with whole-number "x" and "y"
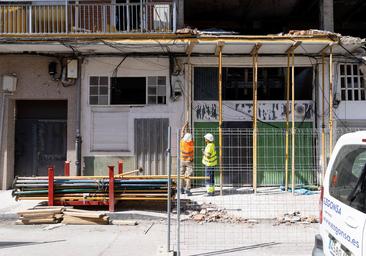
{"x": 51, "y": 180}
{"x": 67, "y": 168}
{"x": 111, "y": 188}
{"x": 120, "y": 167}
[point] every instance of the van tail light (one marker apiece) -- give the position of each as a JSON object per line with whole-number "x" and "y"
{"x": 321, "y": 204}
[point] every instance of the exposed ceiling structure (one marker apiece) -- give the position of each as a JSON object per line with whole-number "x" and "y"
{"x": 259, "y": 17}
{"x": 187, "y": 45}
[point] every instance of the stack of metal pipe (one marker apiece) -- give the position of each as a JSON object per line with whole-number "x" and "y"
{"x": 93, "y": 188}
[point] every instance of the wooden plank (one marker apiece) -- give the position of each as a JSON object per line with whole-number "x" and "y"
{"x": 40, "y": 211}
{"x": 39, "y": 221}
{"x": 37, "y": 215}
{"x": 84, "y": 215}
{"x": 125, "y": 222}
{"x": 71, "y": 220}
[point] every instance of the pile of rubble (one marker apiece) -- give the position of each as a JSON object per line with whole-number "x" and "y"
{"x": 295, "y": 217}
{"x": 209, "y": 213}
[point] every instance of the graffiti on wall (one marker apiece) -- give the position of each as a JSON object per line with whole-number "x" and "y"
{"x": 270, "y": 111}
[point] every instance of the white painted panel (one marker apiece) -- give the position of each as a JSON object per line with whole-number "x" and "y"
{"x": 109, "y": 131}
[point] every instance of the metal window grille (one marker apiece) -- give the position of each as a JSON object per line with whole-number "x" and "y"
{"x": 98, "y": 90}
{"x": 156, "y": 90}
{"x": 351, "y": 82}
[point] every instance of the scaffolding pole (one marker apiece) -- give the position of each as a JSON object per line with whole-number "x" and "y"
{"x": 293, "y": 122}
{"x": 330, "y": 100}
{"x": 220, "y": 46}
{"x": 254, "y": 54}
{"x": 287, "y": 119}
{"x": 323, "y": 119}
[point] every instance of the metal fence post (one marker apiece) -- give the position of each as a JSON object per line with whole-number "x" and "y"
{"x": 178, "y": 193}
{"x": 169, "y": 163}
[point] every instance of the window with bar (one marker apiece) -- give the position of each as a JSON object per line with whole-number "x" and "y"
{"x": 156, "y": 89}
{"x": 127, "y": 90}
{"x": 98, "y": 90}
{"x": 351, "y": 82}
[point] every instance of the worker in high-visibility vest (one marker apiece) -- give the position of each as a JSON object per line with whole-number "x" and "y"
{"x": 209, "y": 160}
{"x": 186, "y": 162}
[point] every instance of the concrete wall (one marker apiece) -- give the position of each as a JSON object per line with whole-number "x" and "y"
{"x": 34, "y": 83}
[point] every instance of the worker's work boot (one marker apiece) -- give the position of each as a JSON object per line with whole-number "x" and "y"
{"x": 182, "y": 191}
{"x": 188, "y": 193}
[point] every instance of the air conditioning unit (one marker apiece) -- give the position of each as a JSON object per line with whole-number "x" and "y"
{"x": 9, "y": 83}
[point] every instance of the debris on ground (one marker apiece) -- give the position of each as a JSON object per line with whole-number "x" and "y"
{"x": 295, "y": 217}
{"x": 64, "y": 215}
{"x": 210, "y": 213}
{"x": 148, "y": 229}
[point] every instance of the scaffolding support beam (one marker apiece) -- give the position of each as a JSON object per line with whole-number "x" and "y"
{"x": 219, "y": 51}
{"x": 293, "y": 47}
{"x": 254, "y": 54}
{"x": 287, "y": 120}
{"x": 323, "y": 120}
{"x": 293, "y": 122}
{"x": 330, "y": 100}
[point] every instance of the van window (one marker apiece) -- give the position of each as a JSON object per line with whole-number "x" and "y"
{"x": 348, "y": 177}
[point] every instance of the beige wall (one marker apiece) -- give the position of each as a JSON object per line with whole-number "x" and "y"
{"x": 34, "y": 83}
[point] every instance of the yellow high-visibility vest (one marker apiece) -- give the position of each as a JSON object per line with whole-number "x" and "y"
{"x": 209, "y": 155}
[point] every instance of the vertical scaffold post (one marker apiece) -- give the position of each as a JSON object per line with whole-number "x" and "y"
{"x": 330, "y": 100}
{"x": 293, "y": 122}
{"x": 67, "y": 168}
{"x": 287, "y": 120}
{"x": 111, "y": 200}
{"x": 323, "y": 119}
{"x": 51, "y": 181}
{"x": 120, "y": 167}
{"x": 220, "y": 46}
{"x": 254, "y": 54}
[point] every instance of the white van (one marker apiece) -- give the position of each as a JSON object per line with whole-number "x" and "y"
{"x": 343, "y": 200}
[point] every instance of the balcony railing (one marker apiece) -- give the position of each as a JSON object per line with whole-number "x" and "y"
{"x": 88, "y": 18}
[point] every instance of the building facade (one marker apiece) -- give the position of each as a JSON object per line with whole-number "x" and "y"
{"x": 94, "y": 89}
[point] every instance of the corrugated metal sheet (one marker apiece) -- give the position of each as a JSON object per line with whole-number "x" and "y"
{"x": 151, "y": 142}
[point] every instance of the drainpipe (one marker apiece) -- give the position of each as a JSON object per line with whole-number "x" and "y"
{"x": 78, "y": 139}
{"x": 2, "y": 113}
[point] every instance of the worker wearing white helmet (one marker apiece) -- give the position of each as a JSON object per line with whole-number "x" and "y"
{"x": 186, "y": 162}
{"x": 209, "y": 160}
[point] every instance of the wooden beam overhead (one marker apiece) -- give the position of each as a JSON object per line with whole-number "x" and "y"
{"x": 326, "y": 48}
{"x": 219, "y": 46}
{"x": 255, "y": 49}
{"x": 293, "y": 47}
{"x": 190, "y": 46}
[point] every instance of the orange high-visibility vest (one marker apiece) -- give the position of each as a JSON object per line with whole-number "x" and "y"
{"x": 186, "y": 150}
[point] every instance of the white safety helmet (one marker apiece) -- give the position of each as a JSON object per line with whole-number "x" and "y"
{"x": 187, "y": 137}
{"x": 209, "y": 137}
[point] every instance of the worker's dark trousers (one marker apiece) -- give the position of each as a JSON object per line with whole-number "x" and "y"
{"x": 210, "y": 184}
